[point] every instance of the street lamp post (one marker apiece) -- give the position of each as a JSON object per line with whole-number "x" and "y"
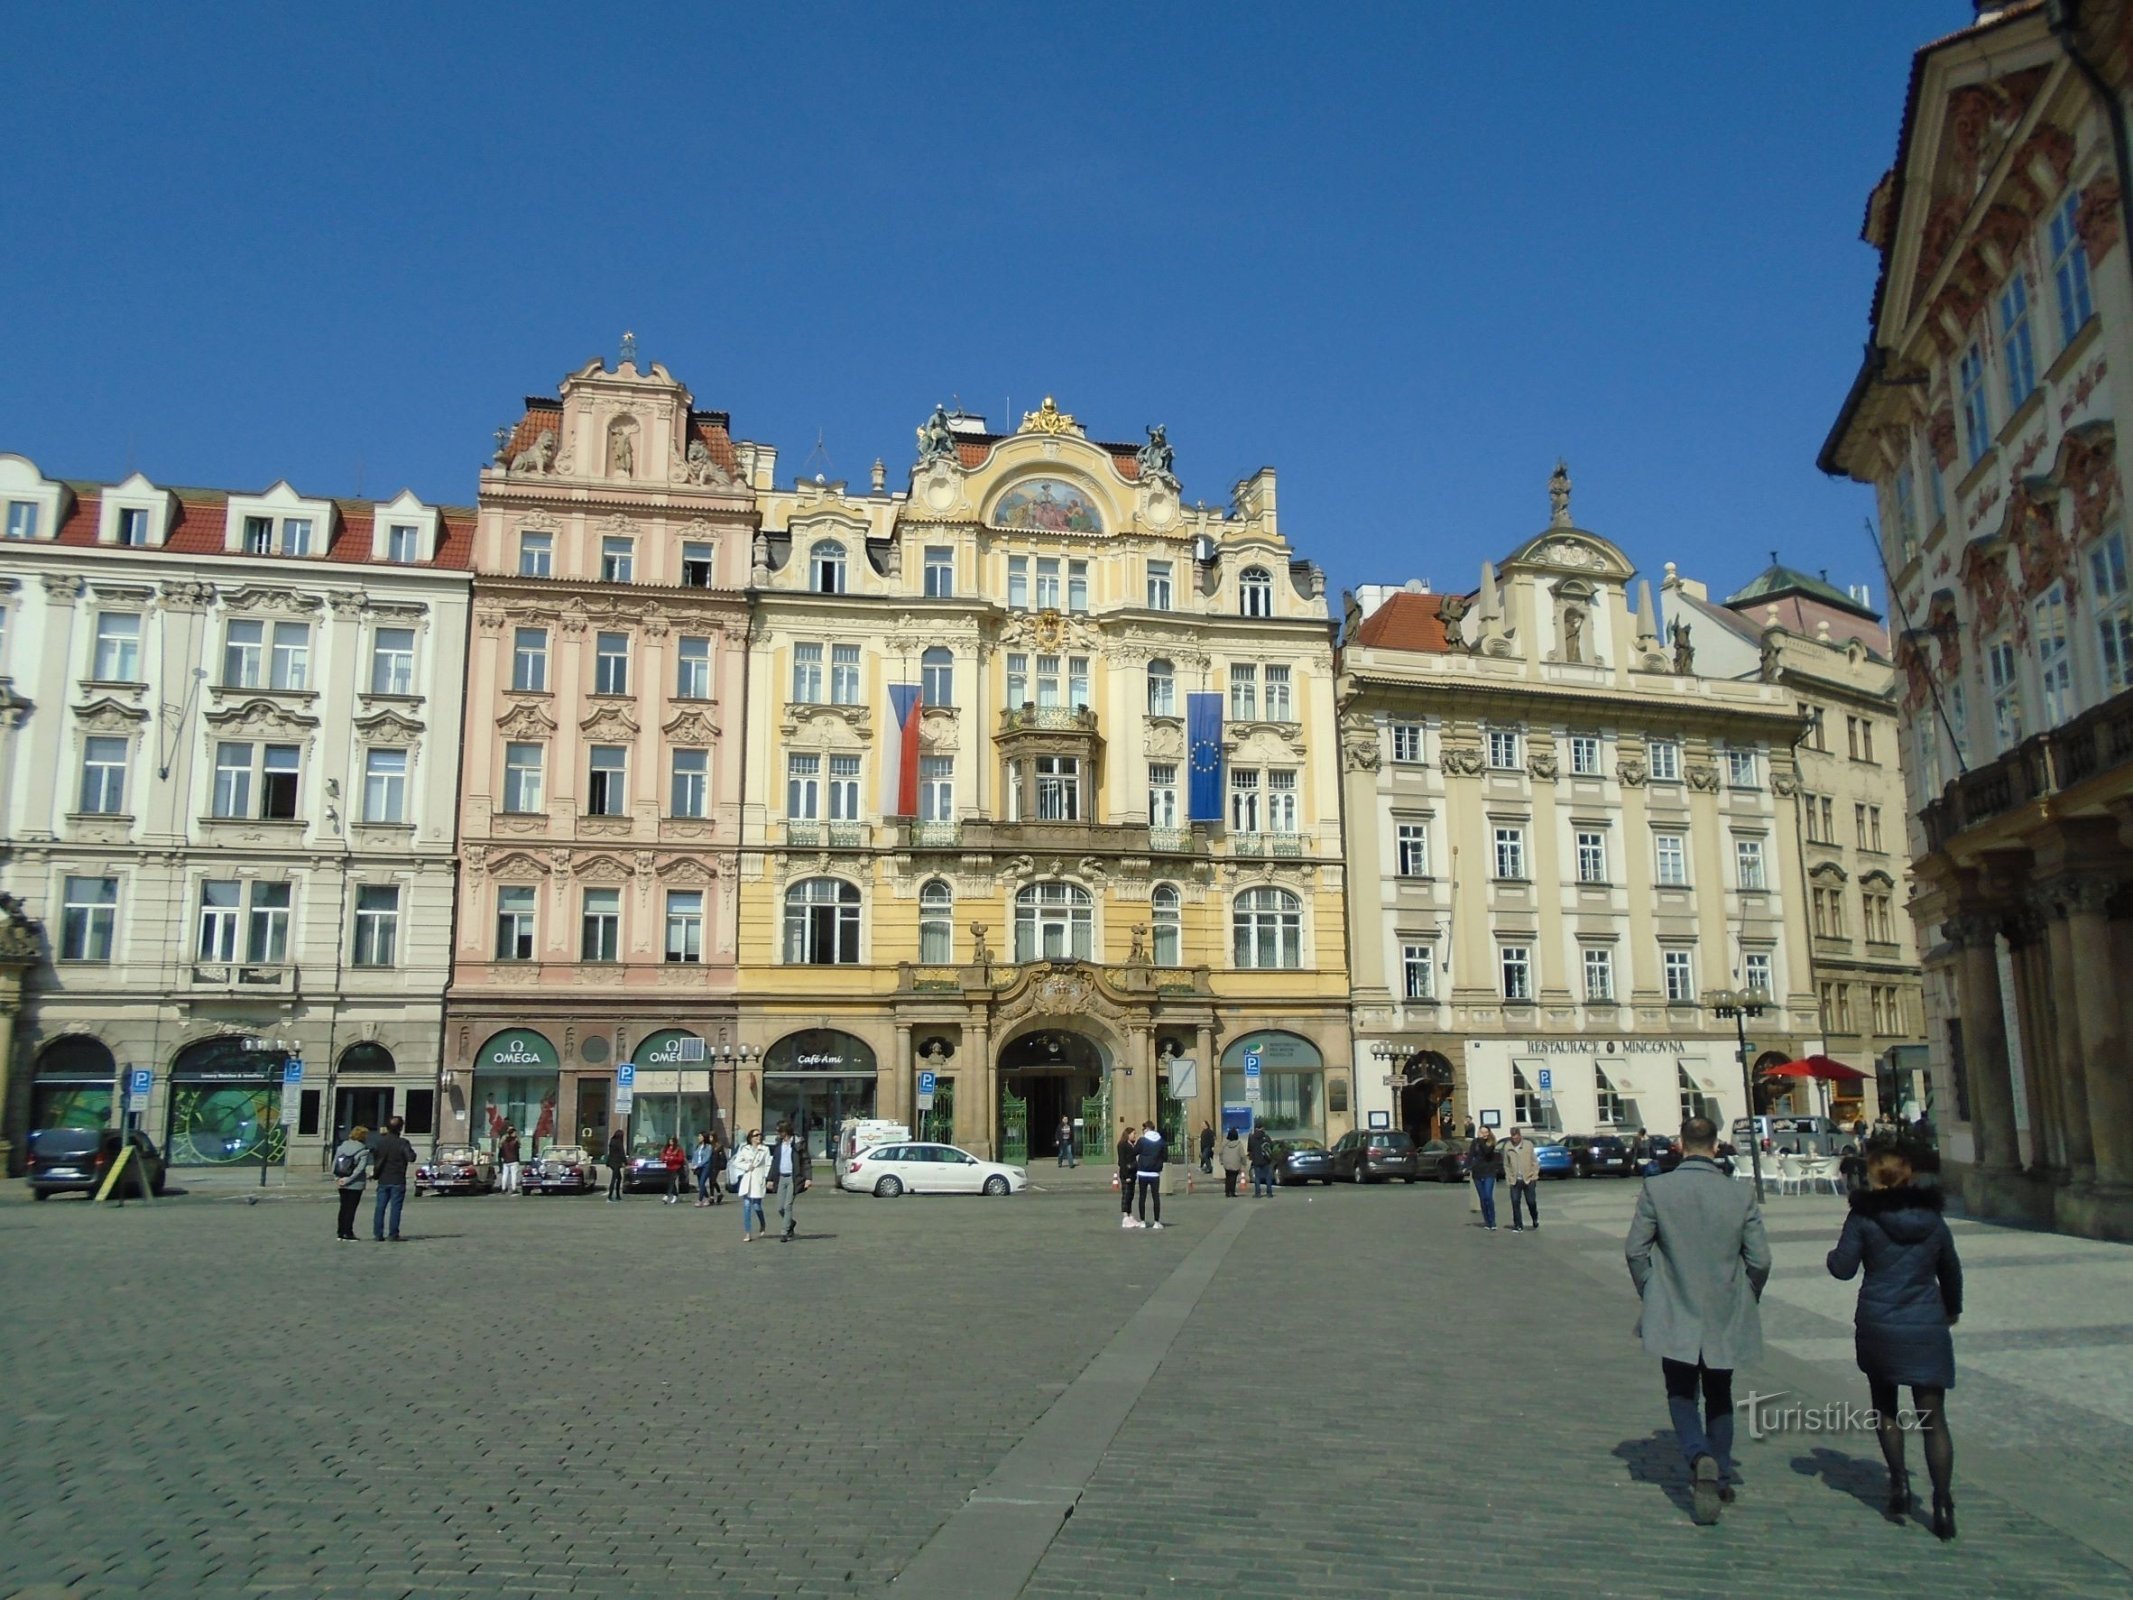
{"x": 1740, "y": 1005}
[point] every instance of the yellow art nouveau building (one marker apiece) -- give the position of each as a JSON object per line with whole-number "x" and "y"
{"x": 1040, "y": 800}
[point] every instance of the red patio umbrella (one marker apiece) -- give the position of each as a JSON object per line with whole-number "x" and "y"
{"x": 1823, "y": 1067}
{"x": 1790, "y": 1069}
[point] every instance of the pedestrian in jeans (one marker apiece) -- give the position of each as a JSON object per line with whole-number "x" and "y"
{"x": 618, "y": 1163}
{"x": 390, "y": 1157}
{"x": 1699, "y": 1259}
{"x": 674, "y": 1160}
{"x": 1484, "y": 1164}
{"x": 1521, "y": 1164}
{"x": 507, "y": 1162}
{"x": 1066, "y": 1141}
{"x": 1149, "y": 1155}
{"x": 1261, "y": 1151}
{"x": 1232, "y": 1164}
{"x": 1129, "y": 1154}
{"x": 792, "y": 1173}
{"x": 751, "y": 1180}
{"x": 703, "y": 1160}
{"x": 351, "y": 1172}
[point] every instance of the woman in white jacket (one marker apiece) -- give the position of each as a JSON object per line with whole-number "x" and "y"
{"x": 751, "y": 1172}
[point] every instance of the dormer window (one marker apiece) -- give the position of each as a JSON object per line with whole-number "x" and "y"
{"x": 403, "y": 542}
{"x": 22, "y": 519}
{"x": 296, "y": 536}
{"x": 1255, "y": 592}
{"x": 825, "y": 567}
{"x": 258, "y": 536}
{"x": 132, "y": 526}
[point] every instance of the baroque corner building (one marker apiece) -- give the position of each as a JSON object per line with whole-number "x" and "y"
{"x": 228, "y": 761}
{"x": 600, "y": 803}
{"x": 1040, "y": 800}
{"x": 1985, "y": 416}
{"x": 1563, "y": 838}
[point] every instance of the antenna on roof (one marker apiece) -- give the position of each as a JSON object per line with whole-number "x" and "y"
{"x": 819, "y": 459}
{"x": 359, "y": 478}
{"x": 1773, "y": 558}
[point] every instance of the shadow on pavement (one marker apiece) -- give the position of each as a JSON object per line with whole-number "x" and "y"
{"x": 1656, "y": 1460}
{"x": 1865, "y": 1480}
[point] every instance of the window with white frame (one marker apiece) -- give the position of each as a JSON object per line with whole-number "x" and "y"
{"x": 600, "y": 925}
{"x": 1671, "y": 857}
{"x": 529, "y": 660}
{"x": 1047, "y": 583}
{"x": 1592, "y": 856}
{"x": 1741, "y": 769}
{"x": 1755, "y": 974}
{"x": 377, "y": 924}
{"x": 118, "y": 647}
{"x": 289, "y": 661}
{"x": 1018, "y": 583}
{"x": 692, "y": 668}
{"x": 2017, "y": 354}
{"x": 131, "y": 528}
{"x": 1077, "y": 593}
{"x": 1503, "y": 749}
{"x": 1058, "y": 788}
{"x": 844, "y": 788}
{"x": 1166, "y": 913}
{"x": 803, "y": 787}
{"x": 1584, "y": 756}
{"x": 936, "y": 922}
{"x": 1514, "y": 965}
{"x": 1243, "y": 693}
{"x": 844, "y": 675}
{"x": 1054, "y": 920}
{"x": 1665, "y": 755}
{"x": 536, "y": 555}
{"x": 2001, "y": 676}
{"x": 1411, "y": 849}
{"x": 685, "y": 925}
{"x": 1267, "y": 928}
{"x": 88, "y": 918}
{"x": 523, "y": 766}
{"x": 1282, "y": 815}
{"x": 618, "y": 559}
{"x": 1078, "y": 682}
{"x": 258, "y": 536}
{"x": 1599, "y": 972}
{"x": 514, "y": 922}
{"x": 697, "y": 560}
{"x": 2070, "y": 269}
{"x": 266, "y": 933}
{"x": 1407, "y": 744}
{"x": 103, "y": 776}
{"x": 221, "y": 920}
{"x": 2113, "y": 610}
{"x": 1277, "y": 694}
{"x": 936, "y": 676}
{"x": 1255, "y": 592}
{"x": 1977, "y": 411}
{"x": 385, "y": 786}
{"x": 392, "y": 661}
{"x": 611, "y": 663}
{"x": 244, "y": 652}
{"x": 607, "y": 780}
{"x": 825, "y": 567}
{"x": 1159, "y": 586}
{"x": 936, "y": 788}
{"x": 1162, "y": 794}
{"x": 691, "y": 787}
{"x": 1418, "y": 972}
{"x": 1162, "y": 689}
{"x": 257, "y": 781}
{"x": 2055, "y": 661}
{"x": 940, "y": 572}
{"x": 1244, "y": 799}
{"x": 1017, "y": 680}
{"x": 1510, "y": 852}
{"x": 1609, "y": 1110}
{"x": 1748, "y": 862}
{"x": 22, "y": 519}
{"x": 807, "y": 674}
{"x": 403, "y": 542}
{"x": 1047, "y": 681}
{"x": 1678, "y": 968}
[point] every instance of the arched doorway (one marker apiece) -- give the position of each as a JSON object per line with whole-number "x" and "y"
{"x": 1426, "y": 1102}
{"x": 73, "y": 1086}
{"x": 515, "y": 1077}
{"x": 675, "y": 1096}
{"x": 1046, "y": 1076}
{"x": 225, "y": 1104}
{"x": 814, "y": 1079}
{"x": 357, "y": 1101}
{"x": 1274, "y": 1080}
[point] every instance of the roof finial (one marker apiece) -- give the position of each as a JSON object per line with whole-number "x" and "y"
{"x": 1559, "y": 495}
{"x": 1773, "y": 558}
{"x": 629, "y": 349}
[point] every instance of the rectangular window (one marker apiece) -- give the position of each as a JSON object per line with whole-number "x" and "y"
{"x": 392, "y": 661}
{"x": 221, "y": 912}
{"x": 266, "y": 939}
{"x": 936, "y": 677}
{"x": 1017, "y": 680}
{"x": 692, "y": 669}
{"x": 600, "y": 926}
{"x": 2114, "y": 610}
{"x": 243, "y": 653}
{"x": 523, "y": 764}
{"x": 1411, "y": 849}
{"x": 275, "y": 780}
{"x": 2015, "y": 348}
{"x": 279, "y": 767}
{"x": 1511, "y": 853}
{"x": 118, "y": 647}
{"x": 1047, "y": 680}
{"x": 1077, "y": 586}
{"x": 611, "y": 664}
{"x": 133, "y": 527}
{"x": 1243, "y": 694}
{"x": 1516, "y": 964}
{"x": 1873, "y": 828}
{"x": 1162, "y": 794}
{"x": 940, "y": 572}
{"x": 606, "y": 792}
{"x": 514, "y": 922}
{"x": 696, "y": 565}
{"x": 258, "y": 536}
{"x": 1584, "y": 756}
{"x": 618, "y": 560}
{"x": 296, "y": 536}
{"x": 403, "y": 543}
{"x": 1158, "y": 586}
{"x": 529, "y": 660}
{"x": 88, "y": 919}
{"x": 1277, "y": 695}
{"x": 1904, "y": 489}
{"x": 807, "y": 674}
{"x": 385, "y": 786}
{"x": 844, "y": 674}
{"x": 1503, "y": 749}
{"x": 803, "y": 788}
{"x": 1592, "y": 857}
{"x": 1756, "y": 977}
{"x": 1018, "y": 583}
{"x": 1977, "y": 413}
{"x": 22, "y": 519}
{"x": 2070, "y": 270}
{"x": 1244, "y": 799}
{"x": 103, "y": 776}
{"x": 1078, "y": 682}
{"x": 1599, "y": 973}
{"x": 1058, "y": 788}
{"x": 1672, "y": 852}
{"x": 1666, "y": 760}
{"x": 1748, "y": 857}
{"x": 1047, "y": 583}
{"x": 1162, "y": 690}
{"x": 1281, "y": 813}
{"x": 1680, "y": 973}
{"x": 377, "y": 924}
{"x": 233, "y": 780}
{"x": 685, "y": 925}
{"x": 1418, "y": 971}
{"x": 536, "y": 555}
{"x": 2055, "y": 662}
{"x": 844, "y": 788}
{"x": 1407, "y": 744}
{"x": 1741, "y": 769}
{"x": 1858, "y": 825}
{"x": 936, "y": 788}
{"x": 2000, "y": 674}
{"x": 691, "y": 783}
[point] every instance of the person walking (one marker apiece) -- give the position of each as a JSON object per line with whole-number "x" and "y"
{"x": 390, "y": 1157}
{"x": 1129, "y": 1155}
{"x": 703, "y": 1161}
{"x": 1232, "y": 1163}
{"x": 1260, "y": 1152}
{"x": 1484, "y": 1164}
{"x": 1911, "y": 1296}
{"x": 793, "y": 1172}
{"x": 673, "y": 1158}
{"x": 507, "y": 1162}
{"x": 751, "y": 1177}
{"x": 1699, "y": 1258}
{"x": 1521, "y": 1164}
{"x": 618, "y": 1163}
{"x": 1150, "y": 1153}
{"x": 1066, "y": 1141}
{"x": 351, "y": 1174}
{"x": 1207, "y": 1147}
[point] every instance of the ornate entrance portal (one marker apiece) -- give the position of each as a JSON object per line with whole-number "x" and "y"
{"x": 1044, "y": 1076}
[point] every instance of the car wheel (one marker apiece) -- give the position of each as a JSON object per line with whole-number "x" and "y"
{"x": 888, "y": 1186}
{"x": 40, "y": 1194}
{"x": 996, "y": 1184}
{"x": 1410, "y": 1180}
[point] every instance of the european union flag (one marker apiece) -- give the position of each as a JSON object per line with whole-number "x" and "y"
{"x": 1203, "y": 750}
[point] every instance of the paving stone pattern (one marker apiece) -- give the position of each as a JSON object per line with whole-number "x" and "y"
{"x": 564, "y": 1397}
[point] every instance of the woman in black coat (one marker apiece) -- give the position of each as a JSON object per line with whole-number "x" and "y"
{"x": 1911, "y": 1297}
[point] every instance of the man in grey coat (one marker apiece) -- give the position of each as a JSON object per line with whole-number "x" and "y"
{"x": 1699, "y": 1258}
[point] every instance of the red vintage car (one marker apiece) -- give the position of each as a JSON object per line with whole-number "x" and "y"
{"x": 560, "y": 1169}
{"x": 456, "y": 1169}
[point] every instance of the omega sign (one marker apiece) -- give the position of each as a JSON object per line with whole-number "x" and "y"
{"x": 515, "y": 1054}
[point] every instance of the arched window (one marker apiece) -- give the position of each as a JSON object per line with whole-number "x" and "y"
{"x": 936, "y": 923}
{"x": 825, "y": 567}
{"x": 1162, "y": 689}
{"x": 822, "y": 923}
{"x": 1168, "y": 917}
{"x": 936, "y": 673}
{"x": 1054, "y": 921}
{"x": 1268, "y": 924}
{"x": 1255, "y": 592}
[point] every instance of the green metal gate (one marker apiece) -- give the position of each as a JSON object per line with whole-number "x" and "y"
{"x": 1014, "y": 1128}
{"x": 938, "y": 1124}
{"x": 1099, "y": 1127}
{"x": 1170, "y": 1119}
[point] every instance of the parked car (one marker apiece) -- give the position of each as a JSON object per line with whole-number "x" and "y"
{"x": 893, "y": 1169}
{"x": 1301, "y": 1161}
{"x": 1442, "y": 1160}
{"x": 1554, "y": 1157}
{"x": 648, "y": 1170}
{"x": 63, "y": 1159}
{"x": 560, "y": 1169}
{"x": 456, "y": 1169}
{"x": 1373, "y": 1155}
{"x": 1654, "y": 1153}
{"x": 1599, "y": 1155}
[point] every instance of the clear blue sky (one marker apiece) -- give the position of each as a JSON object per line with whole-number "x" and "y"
{"x": 1406, "y": 254}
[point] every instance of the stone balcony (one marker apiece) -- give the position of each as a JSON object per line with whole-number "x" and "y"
{"x": 2046, "y": 764}
{"x": 978, "y": 835}
{"x": 1131, "y": 978}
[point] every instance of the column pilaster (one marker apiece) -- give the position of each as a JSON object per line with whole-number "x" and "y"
{"x": 1984, "y": 1041}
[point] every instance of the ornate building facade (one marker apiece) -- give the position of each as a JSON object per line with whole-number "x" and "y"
{"x": 1985, "y": 417}
{"x": 226, "y": 792}
{"x": 979, "y": 710}
{"x": 1561, "y": 839}
{"x": 600, "y": 805}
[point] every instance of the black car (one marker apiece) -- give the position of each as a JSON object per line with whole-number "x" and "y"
{"x": 1600, "y": 1155}
{"x": 1442, "y": 1160}
{"x": 63, "y": 1159}
{"x": 1374, "y": 1156}
{"x": 1302, "y": 1161}
{"x": 1654, "y": 1153}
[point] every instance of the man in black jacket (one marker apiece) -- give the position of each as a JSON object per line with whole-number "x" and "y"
{"x": 1149, "y": 1156}
{"x": 790, "y": 1173}
{"x": 390, "y": 1157}
{"x": 1259, "y": 1150}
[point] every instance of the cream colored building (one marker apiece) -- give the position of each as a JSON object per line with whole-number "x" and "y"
{"x": 1985, "y": 416}
{"x": 226, "y": 792}
{"x": 1829, "y": 651}
{"x": 1034, "y": 917}
{"x": 1562, "y": 837}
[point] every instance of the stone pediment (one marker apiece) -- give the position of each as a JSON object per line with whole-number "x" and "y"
{"x": 602, "y": 868}
{"x": 518, "y": 864}
{"x": 106, "y": 715}
{"x": 1057, "y": 989}
{"x": 1572, "y": 551}
{"x": 1266, "y": 743}
{"x": 687, "y": 870}
{"x": 527, "y": 721}
{"x": 834, "y": 727}
{"x": 1049, "y": 632}
{"x": 690, "y": 728}
{"x": 388, "y": 725}
{"x": 259, "y": 716}
{"x": 1163, "y": 738}
{"x": 253, "y": 598}
{"x": 609, "y": 722}
{"x": 1828, "y": 872}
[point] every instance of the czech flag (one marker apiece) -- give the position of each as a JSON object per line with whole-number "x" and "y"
{"x": 899, "y": 752}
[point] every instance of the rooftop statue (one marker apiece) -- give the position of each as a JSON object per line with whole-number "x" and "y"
{"x": 1155, "y": 457}
{"x": 936, "y": 439}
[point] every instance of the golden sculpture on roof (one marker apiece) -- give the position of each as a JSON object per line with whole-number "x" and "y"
{"x": 1048, "y": 418}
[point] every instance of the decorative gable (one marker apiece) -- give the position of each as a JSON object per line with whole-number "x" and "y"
{"x": 135, "y": 513}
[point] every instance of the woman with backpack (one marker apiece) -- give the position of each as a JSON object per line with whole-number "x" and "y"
{"x": 351, "y": 1174}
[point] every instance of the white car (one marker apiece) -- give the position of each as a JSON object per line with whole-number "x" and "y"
{"x": 894, "y": 1169}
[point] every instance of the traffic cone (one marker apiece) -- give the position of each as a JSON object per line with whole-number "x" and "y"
{"x": 1114, "y": 1181}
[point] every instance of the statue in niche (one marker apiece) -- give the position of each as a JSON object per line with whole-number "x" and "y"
{"x": 621, "y": 454}
{"x": 980, "y": 951}
{"x": 1684, "y": 652}
{"x": 1574, "y": 634}
{"x": 936, "y": 440}
{"x": 1155, "y": 457}
{"x": 1559, "y": 496}
{"x": 1137, "y": 953}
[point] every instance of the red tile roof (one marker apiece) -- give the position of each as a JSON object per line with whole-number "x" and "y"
{"x": 199, "y": 525}
{"x": 1405, "y": 622}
